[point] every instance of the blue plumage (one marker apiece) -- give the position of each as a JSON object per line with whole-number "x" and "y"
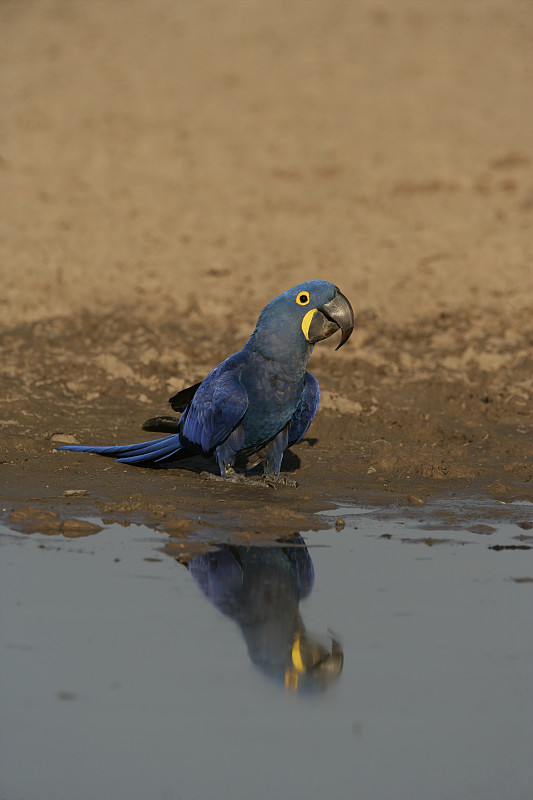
{"x": 260, "y": 400}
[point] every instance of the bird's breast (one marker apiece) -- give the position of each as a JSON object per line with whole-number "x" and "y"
{"x": 272, "y": 400}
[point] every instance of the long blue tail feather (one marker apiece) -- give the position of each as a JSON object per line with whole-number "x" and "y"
{"x": 154, "y": 451}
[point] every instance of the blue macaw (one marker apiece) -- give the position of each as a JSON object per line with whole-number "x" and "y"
{"x": 259, "y": 401}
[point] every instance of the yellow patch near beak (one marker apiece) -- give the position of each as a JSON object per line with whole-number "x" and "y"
{"x": 306, "y": 322}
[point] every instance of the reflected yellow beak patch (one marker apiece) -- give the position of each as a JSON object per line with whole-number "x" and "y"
{"x": 306, "y": 322}
{"x": 297, "y": 656}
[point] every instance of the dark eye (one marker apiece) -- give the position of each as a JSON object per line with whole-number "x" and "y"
{"x": 302, "y": 299}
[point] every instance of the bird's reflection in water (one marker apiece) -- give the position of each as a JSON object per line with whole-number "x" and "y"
{"x": 261, "y": 588}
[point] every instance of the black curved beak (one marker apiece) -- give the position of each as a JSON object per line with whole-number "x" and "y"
{"x": 336, "y": 314}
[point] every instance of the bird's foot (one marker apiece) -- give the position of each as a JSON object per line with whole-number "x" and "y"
{"x": 272, "y": 481}
{"x": 209, "y": 476}
{"x": 231, "y": 477}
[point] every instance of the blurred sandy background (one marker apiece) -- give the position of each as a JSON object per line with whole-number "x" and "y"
{"x": 167, "y": 156}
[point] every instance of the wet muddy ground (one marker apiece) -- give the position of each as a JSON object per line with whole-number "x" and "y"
{"x": 400, "y": 422}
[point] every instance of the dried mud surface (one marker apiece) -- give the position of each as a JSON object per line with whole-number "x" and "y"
{"x": 196, "y": 162}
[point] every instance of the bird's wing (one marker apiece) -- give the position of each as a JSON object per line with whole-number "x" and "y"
{"x": 306, "y": 410}
{"x": 181, "y": 400}
{"x": 216, "y": 408}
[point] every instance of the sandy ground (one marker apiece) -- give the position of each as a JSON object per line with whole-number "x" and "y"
{"x": 169, "y": 167}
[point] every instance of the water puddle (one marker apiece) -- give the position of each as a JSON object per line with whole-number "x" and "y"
{"x": 377, "y": 659}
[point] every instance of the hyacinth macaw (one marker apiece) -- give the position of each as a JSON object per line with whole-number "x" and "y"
{"x": 259, "y": 401}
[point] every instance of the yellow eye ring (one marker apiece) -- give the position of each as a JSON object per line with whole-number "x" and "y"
{"x": 303, "y": 298}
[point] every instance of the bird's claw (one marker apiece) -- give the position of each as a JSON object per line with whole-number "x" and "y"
{"x": 230, "y": 477}
{"x": 278, "y": 480}
{"x": 272, "y": 481}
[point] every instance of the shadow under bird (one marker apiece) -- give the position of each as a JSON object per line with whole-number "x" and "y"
{"x": 259, "y": 401}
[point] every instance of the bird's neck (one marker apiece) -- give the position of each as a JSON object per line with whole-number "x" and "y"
{"x": 278, "y": 347}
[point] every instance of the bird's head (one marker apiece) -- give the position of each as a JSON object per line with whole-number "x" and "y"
{"x": 297, "y": 319}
